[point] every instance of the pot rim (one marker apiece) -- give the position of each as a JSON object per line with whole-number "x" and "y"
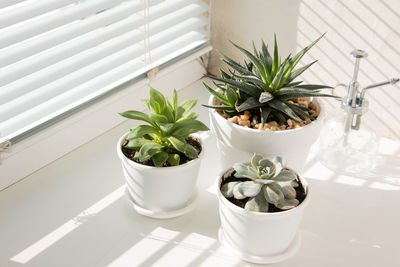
{"x": 164, "y": 169}
{"x": 320, "y": 118}
{"x": 260, "y": 215}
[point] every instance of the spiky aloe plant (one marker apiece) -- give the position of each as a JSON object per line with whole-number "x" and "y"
{"x": 265, "y": 85}
{"x": 270, "y": 183}
{"x": 169, "y": 124}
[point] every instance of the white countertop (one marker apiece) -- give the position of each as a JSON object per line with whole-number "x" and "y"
{"x": 73, "y": 213}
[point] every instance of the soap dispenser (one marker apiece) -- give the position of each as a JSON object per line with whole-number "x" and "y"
{"x": 345, "y": 147}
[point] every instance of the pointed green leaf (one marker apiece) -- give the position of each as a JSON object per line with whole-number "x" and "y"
{"x": 174, "y": 159}
{"x": 291, "y": 75}
{"x": 191, "y": 152}
{"x": 231, "y": 96}
{"x": 313, "y": 86}
{"x": 253, "y": 59}
{"x": 219, "y": 107}
{"x": 157, "y": 101}
{"x": 148, "y": 150}
{"x": 178, "y": 144}
{"x": 137, "y": 143}
{"x": 221, "y": 98}
{"x": 188, "y": 127}
{"x": 250, "y": 103}
{"x": 137, "y": 115}
{"x": 264, "y": 112}
{"x": 245, "y": 87}
{"x": 282, "y": 107}
{"x": 159, "y": 158}
{"x": 141, "y": 130}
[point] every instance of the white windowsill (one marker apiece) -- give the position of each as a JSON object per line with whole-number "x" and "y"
{"x": 73, "y": 213}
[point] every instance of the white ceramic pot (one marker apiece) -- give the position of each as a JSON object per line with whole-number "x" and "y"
{"x": 260, "y": 237}
{"x": 160, "y": 192}
{"x": 237, "y": 143}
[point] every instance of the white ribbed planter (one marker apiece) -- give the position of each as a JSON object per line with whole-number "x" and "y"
{"x": 238, "y": 144}
{"x": 163, "y": 192}
{"x": 260, "y": 237}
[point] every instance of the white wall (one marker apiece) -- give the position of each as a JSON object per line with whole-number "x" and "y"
{"x": 373, "y": 26}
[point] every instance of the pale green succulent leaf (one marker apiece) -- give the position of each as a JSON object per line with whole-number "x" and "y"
{"x": 249, "y": 188}
{"x": 273, "y": 193}
{"x": 255, "y": 160}
{"x": 236, "y": 192}
{"x": 227, "y": 189}
{"x": 285, "y": 176}
{"x": 257, "y": 203}
{"x": 289, "y": 192}
{"x": 265, "y": 181}
{"x": 286, "y": 204}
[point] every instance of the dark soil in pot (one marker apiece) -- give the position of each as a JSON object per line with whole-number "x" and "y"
{"x": 191, "y": 140}
{"x": 229, "y": 177}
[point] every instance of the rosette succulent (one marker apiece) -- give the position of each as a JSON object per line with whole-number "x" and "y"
{"x": 163, "y": 138}
{"x": 267, "y": 182}
{"x": 264, "y": 85}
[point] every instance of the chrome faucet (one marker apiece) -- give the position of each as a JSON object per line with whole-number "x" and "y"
{"x": 355, "y": 104}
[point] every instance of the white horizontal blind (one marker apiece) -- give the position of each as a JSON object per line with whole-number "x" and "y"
{"x": 57, "y": 55}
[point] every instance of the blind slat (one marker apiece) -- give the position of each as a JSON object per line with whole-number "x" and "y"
{"x": 7, "y": 3}
{"x": 10, "y": 17}
{"x": 23, "y": 31}
{"x": 26, "y": 49}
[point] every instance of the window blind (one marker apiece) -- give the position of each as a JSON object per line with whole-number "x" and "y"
{"x": 58, "y": 55}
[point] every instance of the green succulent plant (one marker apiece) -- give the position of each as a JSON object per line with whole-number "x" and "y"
{"x": 270, "y": 183}
{"x": 162, "y": 139}
{"x": 264, "y": 85}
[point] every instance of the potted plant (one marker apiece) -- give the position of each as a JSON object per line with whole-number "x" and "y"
{"x": 258, "y": 106}
{"x": 161, "y": 158}
{"x": 261, "y": 204}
